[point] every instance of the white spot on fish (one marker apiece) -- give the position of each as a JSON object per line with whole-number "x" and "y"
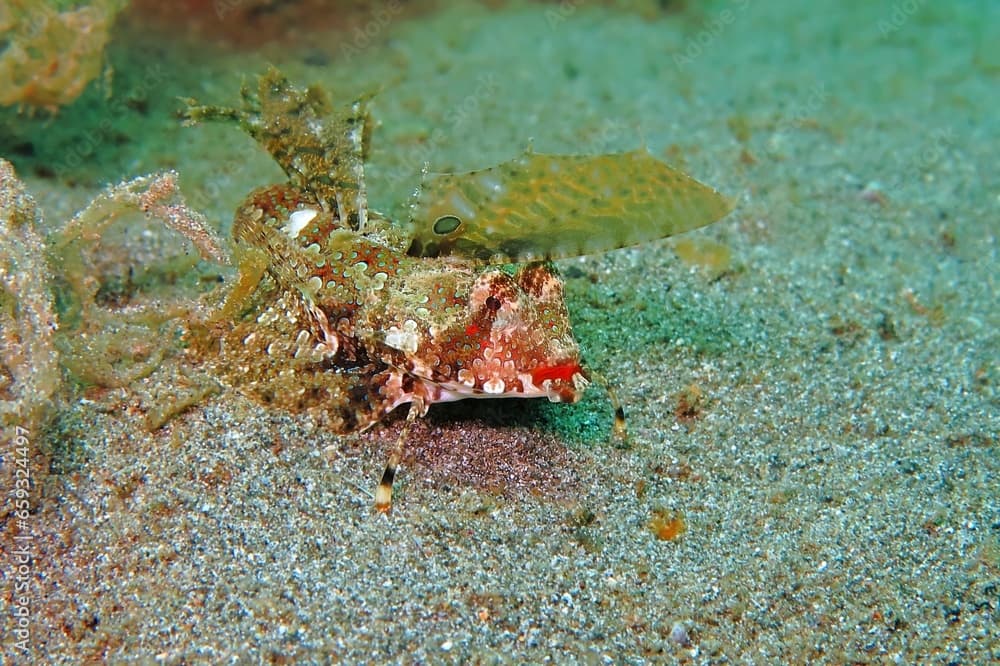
{"x": 494, "y": 386}
{"x": 466, "y": 377}
{"x": 298, "y": 220}
{"x": 405, "y": 340}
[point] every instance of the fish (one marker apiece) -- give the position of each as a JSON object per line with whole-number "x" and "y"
{"x": 345, "y": 314}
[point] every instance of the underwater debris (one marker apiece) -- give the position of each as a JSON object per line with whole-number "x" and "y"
{"x": 666, "y": 525}
{"x": 50, "y": 53}
{"x": 346, "y": 315}
{"x": 690, "y": 403}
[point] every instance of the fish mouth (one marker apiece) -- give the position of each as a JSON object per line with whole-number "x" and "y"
{"x": 560, "y": 382}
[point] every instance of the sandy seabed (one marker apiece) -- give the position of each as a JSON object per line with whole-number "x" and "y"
{"x": 820, "y": 412}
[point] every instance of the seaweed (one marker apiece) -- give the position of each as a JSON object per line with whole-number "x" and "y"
{"x": 114, "y": 346}
{"x": 101, "y": 330}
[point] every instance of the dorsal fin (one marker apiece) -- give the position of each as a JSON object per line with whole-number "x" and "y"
{"x": 319, "y": 146}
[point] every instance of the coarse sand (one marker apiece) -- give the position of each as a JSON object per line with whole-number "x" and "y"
{"x": 811, "y": 385}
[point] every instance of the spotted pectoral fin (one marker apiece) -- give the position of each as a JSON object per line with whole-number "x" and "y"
{"x": 274, "y": 356}
{"x": 555, "y": 206}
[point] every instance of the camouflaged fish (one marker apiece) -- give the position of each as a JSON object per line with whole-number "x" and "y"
{"x": 342, "y": 313}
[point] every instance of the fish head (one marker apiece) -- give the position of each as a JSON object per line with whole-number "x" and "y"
{"x": 486, "y": 331}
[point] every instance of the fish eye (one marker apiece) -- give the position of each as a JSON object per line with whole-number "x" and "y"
{"x": 446, "y": 224}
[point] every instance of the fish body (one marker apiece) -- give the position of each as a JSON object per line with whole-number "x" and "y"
{"x": 347, "y": 315}
{"x": 358, "y": 327}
